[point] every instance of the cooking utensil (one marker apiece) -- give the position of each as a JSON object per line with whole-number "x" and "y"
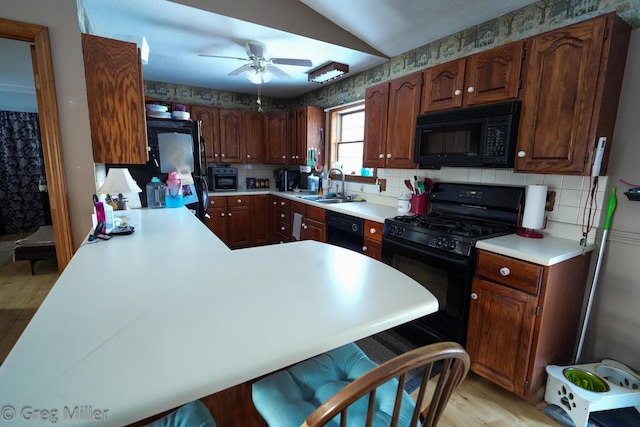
{"x": 409, "y": 186}
{"x": 428, "y": 183}
{"x": 421, "y": 188}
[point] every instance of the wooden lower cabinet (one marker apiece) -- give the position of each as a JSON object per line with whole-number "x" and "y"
{"x": 281, "y": 220}
{"x": 523, "y": 317}
{"x": 240, "y": 221}
{"x": 261, "y": 220}
{"x": 312, "y": 223}
{"x": 315, "y": 221}
{"x": 217, "y": 220}
{"x": 373, "y": 239}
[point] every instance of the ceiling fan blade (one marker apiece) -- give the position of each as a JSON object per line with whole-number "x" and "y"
{"x": 240, "y": 70}
{"x": 223, "y": 57}
{"x": 291, "y": 61}
{"x": 255, "y": 48}
{"x": 277, "y": 72}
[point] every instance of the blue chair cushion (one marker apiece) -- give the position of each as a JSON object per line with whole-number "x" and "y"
{"x": 286, "y": 398}
{"x": 192, "y": 414}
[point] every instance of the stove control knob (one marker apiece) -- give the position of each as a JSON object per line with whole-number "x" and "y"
{"x": 400, "y": 231}
{"x": 439, "y": 242}
{"x": 393, "y": 229}
{"x": 452, "y": 245}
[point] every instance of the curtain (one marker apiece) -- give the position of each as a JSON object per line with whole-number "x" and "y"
{"x": 21, "y": 169}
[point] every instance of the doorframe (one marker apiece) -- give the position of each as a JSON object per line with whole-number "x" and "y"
{"x": 38, "y": 36}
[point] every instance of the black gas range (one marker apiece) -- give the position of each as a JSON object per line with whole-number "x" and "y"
{"x": 437, "y": 249}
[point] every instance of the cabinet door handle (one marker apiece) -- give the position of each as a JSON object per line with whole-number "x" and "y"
{"x": 372, "y": 231}
{"x": 457, "y": 92}
{"x": 474, "y": 295}
{"x": 222, "y": 155}
{"x": 381, "y": 156}
{"x": 282, "y": 228}
{"x": 364, "y": 249}
{"x": 239, "y": 200}
{"x": 222, "y": 214}
{"x": 248, "y": 156}
{"x": 389, "y": 156}
{"x": 505, "y": 271}
{"x": 471, "y": 89}
{"x": 281, "y": 215}
{"x": 521, "y": 154}
{"x": 229, "y": 213}
{"x": 274, "y": 203}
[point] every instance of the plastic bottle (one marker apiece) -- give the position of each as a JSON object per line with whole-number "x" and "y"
{"x": 174, "y": 191}
{"x": 156, "y": 193}
{"x": 108, "y": 214}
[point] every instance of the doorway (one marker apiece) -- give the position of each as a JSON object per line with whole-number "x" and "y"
{"x": 38, "y": 37}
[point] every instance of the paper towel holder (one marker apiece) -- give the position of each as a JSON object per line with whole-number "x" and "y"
{"x": 529, "y": 232}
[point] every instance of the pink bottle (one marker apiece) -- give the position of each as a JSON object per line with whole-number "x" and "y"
{"x": 174, "y": 191}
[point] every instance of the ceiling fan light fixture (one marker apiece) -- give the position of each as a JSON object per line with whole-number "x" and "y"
{"x": 328, "y": 72}
{"x": 258, "y": 75}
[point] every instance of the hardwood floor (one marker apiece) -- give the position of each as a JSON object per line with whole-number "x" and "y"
{"x": 476, "y": 402}
{"x": 20, "y": 296}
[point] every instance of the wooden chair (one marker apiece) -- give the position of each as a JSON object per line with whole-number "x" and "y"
{"x": 382, "y": 389}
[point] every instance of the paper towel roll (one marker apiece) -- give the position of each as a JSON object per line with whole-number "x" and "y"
{"x": 535, "y": 200}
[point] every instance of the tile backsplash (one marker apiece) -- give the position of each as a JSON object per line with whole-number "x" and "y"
{"x": 568, "y": 214}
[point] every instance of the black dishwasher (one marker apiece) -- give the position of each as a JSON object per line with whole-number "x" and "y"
{"x": 345, "y": 231}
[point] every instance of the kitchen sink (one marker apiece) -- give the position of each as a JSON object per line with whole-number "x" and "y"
{"x": 311, "y": 197}
{"x": 333, "y": 200}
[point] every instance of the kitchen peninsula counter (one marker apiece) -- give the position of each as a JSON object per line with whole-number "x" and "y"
{"x": 144, "y": 323}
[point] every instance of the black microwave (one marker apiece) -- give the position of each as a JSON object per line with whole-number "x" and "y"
{"x": 482, "y": 136}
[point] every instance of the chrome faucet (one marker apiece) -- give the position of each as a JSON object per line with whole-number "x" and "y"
{"x": 344, "y": 194}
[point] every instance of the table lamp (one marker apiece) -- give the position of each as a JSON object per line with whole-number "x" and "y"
{"x": 119, "y": 181}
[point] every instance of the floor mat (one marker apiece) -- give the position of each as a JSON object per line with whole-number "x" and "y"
{"x": 624, "y": 417}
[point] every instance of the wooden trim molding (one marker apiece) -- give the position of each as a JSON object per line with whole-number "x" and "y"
{"x": 38, "y": 36}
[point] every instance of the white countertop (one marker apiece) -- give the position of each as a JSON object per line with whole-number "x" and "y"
{"x": 147, "y": 322}
{"x": 548, "y": 250}
{"x": 366, "y": 210}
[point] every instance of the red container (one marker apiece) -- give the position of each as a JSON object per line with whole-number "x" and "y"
{"x": 419, "y": 203}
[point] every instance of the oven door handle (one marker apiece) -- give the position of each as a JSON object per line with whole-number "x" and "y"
{"x": 434, "y": 254}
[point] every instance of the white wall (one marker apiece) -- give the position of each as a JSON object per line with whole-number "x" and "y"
{"x": 68, "y": 68}
{"x": 614, "y": 327}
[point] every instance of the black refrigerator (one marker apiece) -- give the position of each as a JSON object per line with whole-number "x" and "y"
{"x": 161, "y": 136}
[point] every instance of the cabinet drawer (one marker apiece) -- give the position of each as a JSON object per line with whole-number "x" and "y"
{"x": 238, "y": 201}
{"x": 373, "y": 230}
{"x": 283, "y": 203}
{"x": 218, "y": 202}
{"x": 314, "y": 212}
{"x": 300, "y": 208}
{"x": 284, "y": 229}
{"x": 521, "y": 275}
{"x": 283, "y": 215}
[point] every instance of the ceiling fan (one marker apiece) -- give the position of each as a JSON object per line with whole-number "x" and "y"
{"x": 260, "y": 69}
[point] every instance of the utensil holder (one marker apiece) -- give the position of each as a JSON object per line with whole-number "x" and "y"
{"x": 419, "y": 203}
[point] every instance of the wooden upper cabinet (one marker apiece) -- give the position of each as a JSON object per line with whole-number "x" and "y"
{"x": 275, "y": 138}
{"x": 571, "y": 95}
{"x": 376, "y": 104}
{"x": 210, "y": 130}
{"x": 304, "y": 132}
{"x": 404, "y": 107}
{"x": 443, "y": 85}
{"x": 231, "y": 136}
{"x": 254, "y": 136}
{"x": 391, "y": 109}
{"x": 115, "y": 94}
{"x": 489, "y": 76}
{"x": 494, "y": 75}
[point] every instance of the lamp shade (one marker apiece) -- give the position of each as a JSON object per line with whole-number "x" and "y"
{"x": 119, "y": 180}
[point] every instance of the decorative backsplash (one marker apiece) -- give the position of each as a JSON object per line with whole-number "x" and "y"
{"x": 530, "y": 20}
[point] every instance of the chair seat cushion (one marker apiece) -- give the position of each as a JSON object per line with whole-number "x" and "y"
{"x": 288, "y": 397}
{"x": 193, "y": 414}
